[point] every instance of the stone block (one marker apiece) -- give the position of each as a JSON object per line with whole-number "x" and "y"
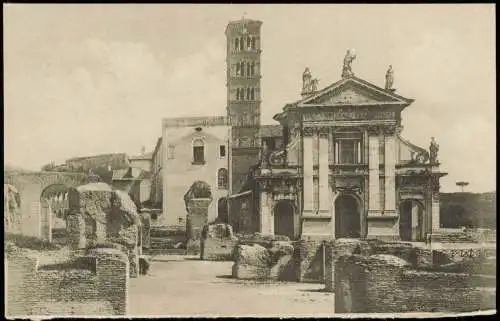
{"x": 253, "y": 255}
{"x": 250, "y": 272}
{"x": 217, "y": 249}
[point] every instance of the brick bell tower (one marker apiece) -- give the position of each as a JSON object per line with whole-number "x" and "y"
{"x": 243, "y": 96}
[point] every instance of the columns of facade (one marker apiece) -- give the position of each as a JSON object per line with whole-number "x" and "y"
{"x": 308, "y": 174}
{"x": 266, "y": 217}
{"x": 324, "y": 190}
{"x": 373, "y": 175}
{"x": 390, "y": 176}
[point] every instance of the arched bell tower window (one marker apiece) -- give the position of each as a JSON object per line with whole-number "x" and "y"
{"x": 252, "y": 69}
{"x": 253, "y": 42}
{"x": 198, "y": 151}
{"x": 252, "y": 94}
{"x": 236, "y": 44}
{"x": 242, "y": 68}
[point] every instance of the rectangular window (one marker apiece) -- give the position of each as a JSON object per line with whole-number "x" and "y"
{"x": 198, "y": 154}
{"x": 170, "y": 152}
{"x": 222, "y": 151}
{"x": 348, "y": 151}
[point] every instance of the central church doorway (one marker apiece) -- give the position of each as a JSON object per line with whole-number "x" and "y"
{"x": 347, "y": 217}
{"x": 284, "y": 219}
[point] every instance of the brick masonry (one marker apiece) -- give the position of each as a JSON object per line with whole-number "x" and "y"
{"x": 381, "y": 277}
{"x": 76, "y": 291}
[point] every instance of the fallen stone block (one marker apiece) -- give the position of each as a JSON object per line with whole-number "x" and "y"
{"x": 216, "y": 249}
{"x": 250, "y": 272}
{"x": 254, "y": 255}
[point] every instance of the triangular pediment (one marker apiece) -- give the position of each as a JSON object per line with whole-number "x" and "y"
{"x": 353, "y": 91}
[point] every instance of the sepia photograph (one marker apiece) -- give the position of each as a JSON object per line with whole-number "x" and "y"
{"x": 249, "y": 160}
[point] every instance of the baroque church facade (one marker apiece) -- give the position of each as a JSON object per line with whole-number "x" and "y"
{"x": 344, "y": 170}
{"x": 335, "y": 164}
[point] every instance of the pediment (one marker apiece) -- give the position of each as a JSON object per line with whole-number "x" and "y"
{"x": 353, "y": 91}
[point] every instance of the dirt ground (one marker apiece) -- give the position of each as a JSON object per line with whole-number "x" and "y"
{"x": 185, "y": 286}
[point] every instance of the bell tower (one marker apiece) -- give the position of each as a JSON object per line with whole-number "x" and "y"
{"x": 243, "y": 96}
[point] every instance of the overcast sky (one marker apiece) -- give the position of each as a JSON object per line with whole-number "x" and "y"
{"x": 89, "y": 79}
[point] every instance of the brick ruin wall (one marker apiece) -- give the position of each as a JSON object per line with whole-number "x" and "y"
{"x": 100, "y": 288}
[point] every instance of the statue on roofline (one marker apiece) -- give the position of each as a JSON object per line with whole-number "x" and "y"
{"x": 348, "y": 59}
{"x": 433, "y": 151}
{"x": 389, "y": 78}
{"x": 309, "y": 84}
{"x": 306, "y": 79}
{"x": 314, "y": 84}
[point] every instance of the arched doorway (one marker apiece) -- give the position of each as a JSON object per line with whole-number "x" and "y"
{"x": 284, "y": 219}
{"x": 222, "y": 213}
{"x": 347, "y": 217}
{"x": 53, "y": 199}
{"x": 411, "y": 221}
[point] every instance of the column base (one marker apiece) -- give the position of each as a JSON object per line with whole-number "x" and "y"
{"x": 374, "y": 213}
{"x": 316, "y": 228}
{"x": 382, "y": 226}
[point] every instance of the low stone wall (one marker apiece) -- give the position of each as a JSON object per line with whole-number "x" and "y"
{"x": 388, "y": 284}
{"x": 465, "y": 236}
{"x": 477, "y": 260}
{"x": 96, "y": 285}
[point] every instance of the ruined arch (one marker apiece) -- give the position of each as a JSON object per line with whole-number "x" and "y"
{"x": 31, "y": 186}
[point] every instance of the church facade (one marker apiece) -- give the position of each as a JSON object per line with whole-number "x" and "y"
{"x": 345, "y": 170}
{"x": 335, "y": 164}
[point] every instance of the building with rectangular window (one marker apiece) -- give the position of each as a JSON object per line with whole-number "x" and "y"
{"x": 191, "y": 149}
{"x": 335, "y": 164}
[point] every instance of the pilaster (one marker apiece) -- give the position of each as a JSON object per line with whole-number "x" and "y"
{"x": 266, "y": 215}
{"x": 308, "y": 187}
{"x": 374, "y": 175}
{"x": 324, "y": 199}
{"x": 390, "y": 179}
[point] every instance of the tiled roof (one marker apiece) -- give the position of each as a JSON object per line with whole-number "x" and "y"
{"x": 271, "y": 131}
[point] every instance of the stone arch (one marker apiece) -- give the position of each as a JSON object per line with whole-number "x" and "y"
{"x": 348, "y": 209}
{"x": 31, "y": 186}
